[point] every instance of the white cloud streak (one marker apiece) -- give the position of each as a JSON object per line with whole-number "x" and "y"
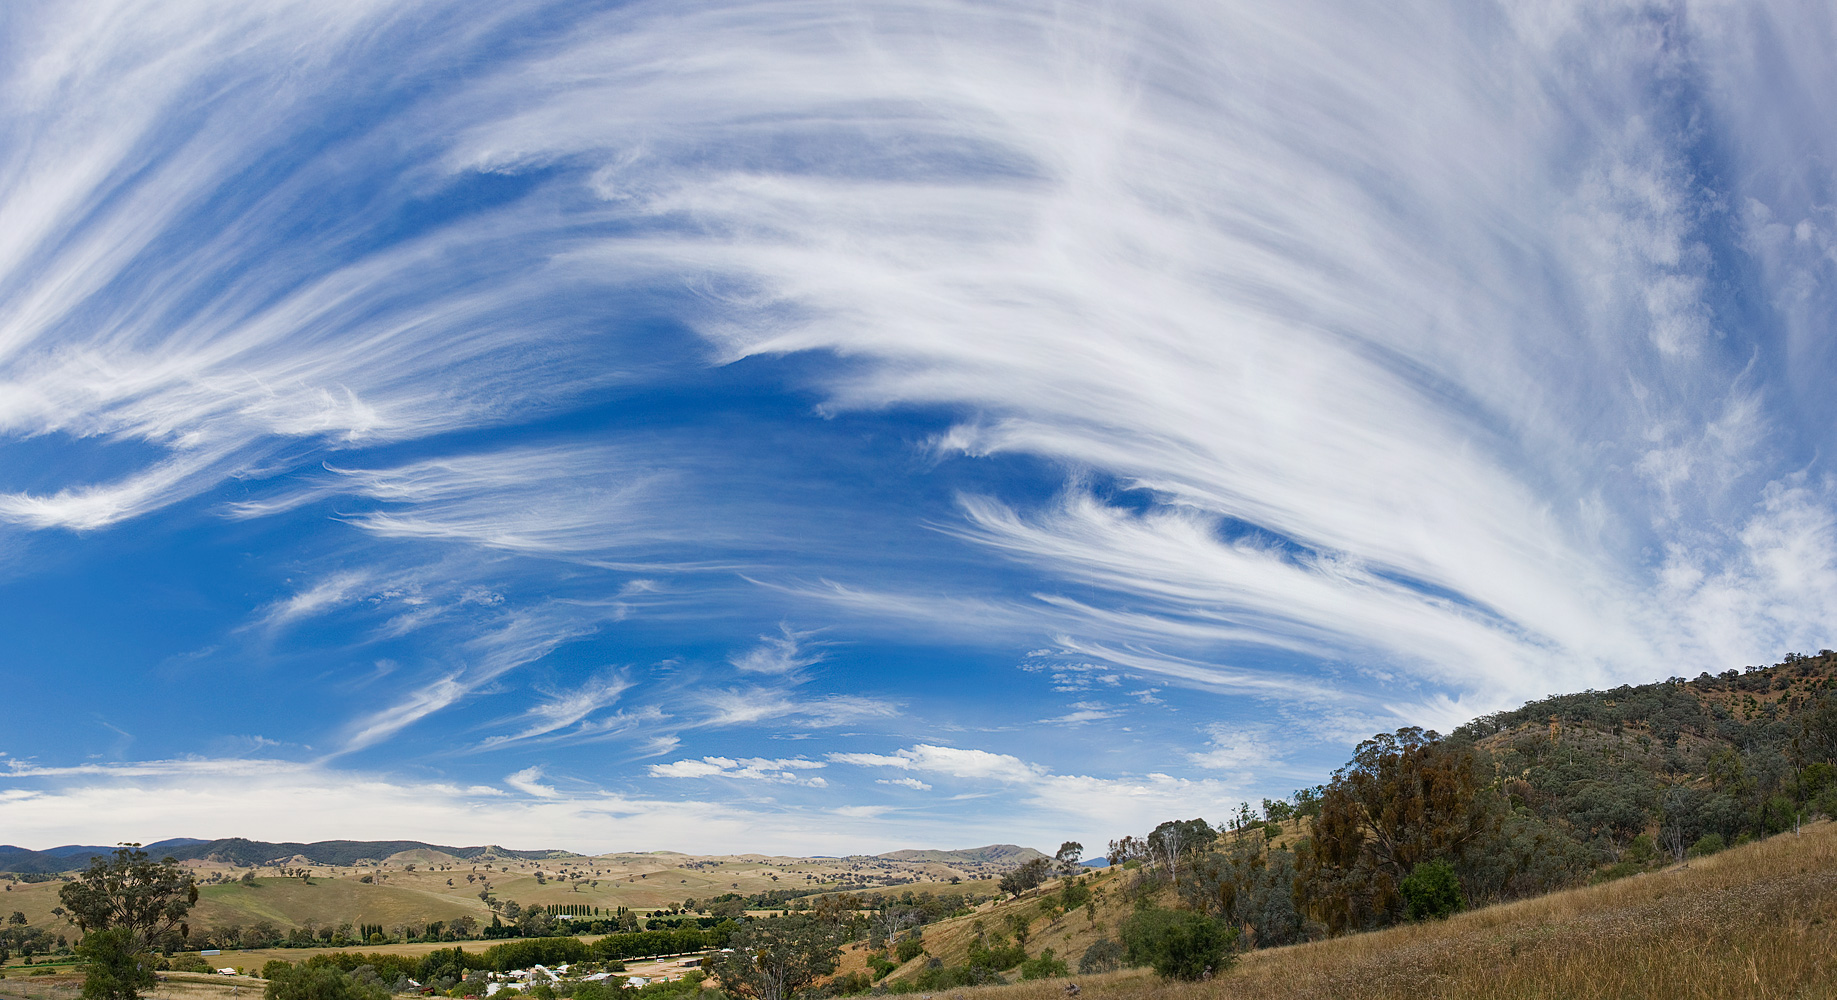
{"x": 1373, "y": 334}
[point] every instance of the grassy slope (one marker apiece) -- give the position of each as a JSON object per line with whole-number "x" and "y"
{"x": 287, "y": 902}
{"x": 1757, "y": 921}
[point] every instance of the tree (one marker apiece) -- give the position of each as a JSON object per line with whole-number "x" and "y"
{"x": 123, "y": 903}
{"x": 1068, "y": 856}
{"x": 1402, "y": 800}
{"x": 1027, "y": 876}
{"x": 1178, "y": 944}
{"x": 116, "y": 965}
{"x": 776, "y": 957}
{"x": 1173, "y": 842}
{"x": 323, "y": 982}
{"x": 129, "y": 889}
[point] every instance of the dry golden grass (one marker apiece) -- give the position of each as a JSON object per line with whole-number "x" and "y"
{"x": 1759, "y": 921}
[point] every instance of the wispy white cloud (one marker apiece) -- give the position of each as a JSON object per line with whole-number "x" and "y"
{"x": 1080, "y": 801}
{"x": 519, "y": 638}
{"x": 786, "y": 653}
{"x": 749, "y": 706}
{"x": 912, "y": 783}
{"x": 528, "y": 781}
{"x": 776, "y": 770}
{"x": 565, "y": 708}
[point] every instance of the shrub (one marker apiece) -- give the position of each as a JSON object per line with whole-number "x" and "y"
{"x": 189, "y": 961}
{"x": 909, "y": 949}
{"x": 1043, "y": 967}
{"x": 595, "y": 991}
{"x": 323, "y": 982}
{"x": 1618, "y": 870}
{"x": 1642, "y": 849}
{"x": 274, "y": 967}
{"x": 1178, "y": 944}
{"x": 1707, "y": 844}
{"x": 1102, "y": 956}
{"x": 1431, "y": 891}
{"x": 1002, "y": 956}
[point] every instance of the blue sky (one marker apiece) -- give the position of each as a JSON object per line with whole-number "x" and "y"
{"x": 824, "y": 426}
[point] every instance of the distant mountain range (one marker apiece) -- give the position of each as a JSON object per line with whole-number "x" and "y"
{"x": 994, "y": 854}
{"x": 240, "y": 851}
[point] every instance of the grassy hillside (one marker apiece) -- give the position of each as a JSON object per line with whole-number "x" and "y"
{"x": 1758, "y": 921}
{"x": 287, "y": 902}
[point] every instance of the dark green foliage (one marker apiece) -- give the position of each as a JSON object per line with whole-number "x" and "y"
{"x": 275, "y": 967}
{"x": 116, "y": 965}
{"x": 1178, "y": 944}
{"x": 129, "y": 889}
{"x": 909, "y": 949}
{"x": 1431, "y": 891}
{"x": 1104, "y": 955}
{"x": 996, "y": 956}
{"x": 323, "y": 982}
{"x": 386, "y": 967}
{"x": 189, "y": 961}
{"x": 526, "y": 952}
{"x": 594, "y": 991}
{"x": 1707, "y": 844}
{"x": 1027, "y": 876}
{"x": 1248, "y": 885}
{"x": 1044, "y": 966}
{"x": 644, "y": 944}
{"x": 778, "y": 956}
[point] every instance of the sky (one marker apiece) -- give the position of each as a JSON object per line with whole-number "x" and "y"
{"x": 819, "y": 427}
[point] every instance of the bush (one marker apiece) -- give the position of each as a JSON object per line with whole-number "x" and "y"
{"x": 1431, "y": 891}
{"x": 274, "y": 967}
{"x": 909, "y": 949}
{"x": 1001, "y": 957}
{"x": 1642, "y": 849}
{"x": 1102, "y": 956}
{"x": 1706, "y": 845}
{"x": 322, "y": 982}
{"x": 189, "y": 961}
{"x": 1178, "y": 944}
{"x": 595, "y": 991}
{"x": 1043, "y": 967}
{"x": 1618, "y": 870}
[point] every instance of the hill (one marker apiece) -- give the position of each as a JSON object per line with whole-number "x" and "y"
{"x": 1758, "y": 921}
{"x": 250, "y": 853}
{"x": 238, "y": 851}
{"x": 994, "y": 854}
